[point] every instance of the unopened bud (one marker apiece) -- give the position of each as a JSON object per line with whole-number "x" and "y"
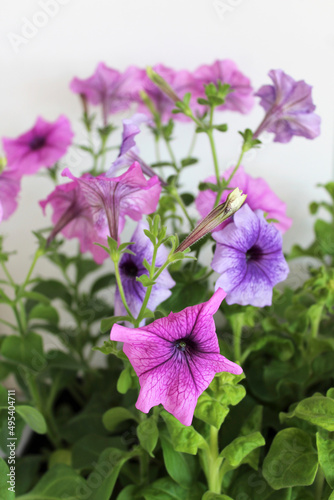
{"x": 218, "y": 215}
{"x": 162, "y": 84}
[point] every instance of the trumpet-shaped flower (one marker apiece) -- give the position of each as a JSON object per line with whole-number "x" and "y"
{"x": 131, "y": 266}
{"x": 249, "y": 259}
{"x": 110, "y": 199}
{"x": 259, "y": 196}
{"x": 42, "y": 146}
{"x": 176, "y": 358}
{"x": 108, "y": 87}
{"x": 10, "y": 184}
{"x": 73, "y": 218}
{"x": 226, "y": 71}
{"x": 289, "y": 108}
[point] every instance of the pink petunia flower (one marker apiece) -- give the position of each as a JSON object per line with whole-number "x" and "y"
{"x": 10, "y": 185}
{"x": 73, "y": 218}
{"x": 241, "y": 99}
{"x": 112, "y": 198}
{"x": 176, "y": 358}
{"x": 110, "y": 88}
{"x": 259, "y": 196}
{"x": 42, "y": 146}
{"x": 289, "y": 108}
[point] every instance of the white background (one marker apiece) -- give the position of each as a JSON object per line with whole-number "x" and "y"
{"x": 294, "y": 35}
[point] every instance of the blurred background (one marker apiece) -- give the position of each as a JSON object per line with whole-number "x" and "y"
{"x": 45, "y": 43}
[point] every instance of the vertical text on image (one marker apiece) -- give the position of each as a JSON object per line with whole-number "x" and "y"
{"x": 11, "y": 440}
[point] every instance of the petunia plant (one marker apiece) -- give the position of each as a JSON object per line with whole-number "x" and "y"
{"x": 172, "y": 354}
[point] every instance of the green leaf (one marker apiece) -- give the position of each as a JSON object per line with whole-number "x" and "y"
{"x": 47, "y": 312}
{"x": 209, "y": 495}
{"x": 326, "y": 457}
{"x": 330, "y": 393}
{"x": 27, "y": 350}
{"x": 145, "y": 280}
{"x": 107, "y": 323}
{"x": 38, "y": 297}
{"x": 107, "y": 470}
{"x": 222, "y": 128}
{"x": 33, "y": 418}
{"x": 53, "y": 289}
{"x": 177, "y": 464}
{"x": 115, "y": 416}
{"x": 124, "y": 382}
{"x": 60, "y": 456}
{"x": 105, "y": 281}
{"x": 184, "y": 438}
{"x": 27, "y": 469}
{"x": 85, "y": 267}
{"x": 186, "y": 162}
{"x": 5, "y": 494}
{"x": 87, "y": 450}
{"x": 187, "y": 198}
{"x": 210, "y": 410}
{"x": 60, "y": 482}
{"x": 318, "y": 410}
{"x": 291, "y": 460}
{"x": 148, "y": 434}
{"x": 165, "y": 489}
{"x": 184, "y": 295}
{"x": 324, "y": 232}
{"x": 240, "y": 447}
{"x": 129, "y": 492}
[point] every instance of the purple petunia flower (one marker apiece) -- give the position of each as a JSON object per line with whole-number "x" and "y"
{"x": 176, "y": 358}
{"x": 259, "y": 196}
{"x": 129, "y": 151}
{"x": 241, "y": 99}
{"x": 73, "y": 218}
{"x": 42, "y": 146}
{"x": 249, "y": 259}
{"x": 10, "y": 185}
{"x": 131, "y": 266}
{"x": 289, "y": 108}
{"x": 108, "y": 87}
{"x": 112, "y": 198}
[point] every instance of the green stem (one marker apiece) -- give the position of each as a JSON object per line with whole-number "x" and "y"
{"x": 213, "y": 462}
{"x": 37, "y": 255}
{"x": 121, "y": 291}
{"x": 149, "y": 288}
{"x": 7, "y": 273}
{"x": 319, "y": 484}
{"x": 4, "y": 322}
{"x": 227, "y": 183}
{"x": 171, "y": 154}
{"x": 192, "y": 144}
{"x": 157, "y": 149}
{"x": 183, "y": 207}
{"x": 214, "y": 155}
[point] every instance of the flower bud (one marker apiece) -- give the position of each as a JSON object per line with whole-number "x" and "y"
{"x": 162, "y": 84}
{"x": 217, "y": 215}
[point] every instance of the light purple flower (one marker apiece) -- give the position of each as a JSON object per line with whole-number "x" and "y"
{"x": 131, "y": 266}
{"x": 73, "y": 218}
{"x": 10, "y": 185}
{"x": 289, "y": 108}
{"x": 176, "y": 358}
{"x": 129, "y": 151}
{"x": 249, "y": 259}
{"x": 108, "y": 87}
{"x": 259, "y": 196}
{"x": 42, "y": 146}
{"x": 241, "y": 99}
{"x": 112, "y": 198}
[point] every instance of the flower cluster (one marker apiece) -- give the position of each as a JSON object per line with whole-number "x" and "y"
{"x": 175, "y": 356}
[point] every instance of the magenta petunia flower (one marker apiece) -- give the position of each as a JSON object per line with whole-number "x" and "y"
{"x": 73, "y": 218}
{"x": 42, "y": 146}
{"x": 249, "y": 259}
{"x": 241, "y": 99}
{"x": 108, "y": 87}
{"x": 10, "y": 185}
{"x": 176, "y": 358}
{"x": 289, "y": 108}
{"x": 131, "y": 266}
{"x": 181, "y": 82}
{"x": 112, "y": 198}
{"x": 259, "y": 196}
